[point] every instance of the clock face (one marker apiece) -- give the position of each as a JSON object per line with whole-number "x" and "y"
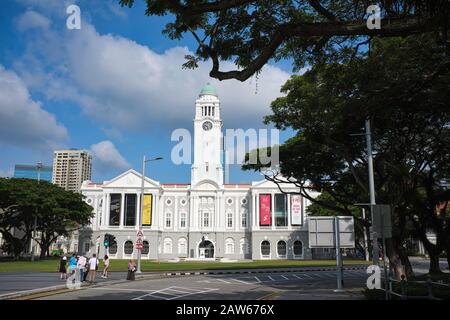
{"x": 207, "y": 125}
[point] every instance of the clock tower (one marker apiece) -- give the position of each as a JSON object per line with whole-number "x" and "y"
{"x": 207, "y": 138}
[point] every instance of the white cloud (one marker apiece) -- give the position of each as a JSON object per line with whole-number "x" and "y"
{"x": 23, "y": 121}
{"x": 32, "y": 19}
{"x": 125, "y": 85}
{"x": 106, "y": 157}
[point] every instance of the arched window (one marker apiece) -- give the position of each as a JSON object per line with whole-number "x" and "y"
{"x": 229, "y": 246}
{"x": 182, "y": 246}
{"x": 128, "y": 247}
{"x": 243, "y": 246}
{"x": 146, "y": 248}
{"x": 112, "y": 248}
{"x": 281, "y": 248}
{"x": 298, "y": 248}
{"x": 167, "y": 245}
{"x": 265, "y": 248}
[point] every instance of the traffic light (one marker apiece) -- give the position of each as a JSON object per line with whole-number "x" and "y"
{"x": 106, "y": 241}
{"x": 112, "y": 240}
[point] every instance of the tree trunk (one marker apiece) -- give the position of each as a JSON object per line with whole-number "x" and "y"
{"x": 409, "y": 272}
{"x": 395, "y": 260}
{"x": 433, "y": 252}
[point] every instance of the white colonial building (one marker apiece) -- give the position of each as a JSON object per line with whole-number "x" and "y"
{"x": 205, "y": 219}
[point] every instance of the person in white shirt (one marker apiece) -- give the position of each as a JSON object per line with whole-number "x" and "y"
{"x": 81, "y": 264}
{"x": 93, "y": 262}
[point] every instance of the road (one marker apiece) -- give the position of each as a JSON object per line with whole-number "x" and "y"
{"x": 290, "y": 285}
{"x": 21, "y": 281}
{"x": 280, "y": 285}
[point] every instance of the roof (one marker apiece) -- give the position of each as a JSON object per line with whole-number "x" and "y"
{"x": 208, "y": 89}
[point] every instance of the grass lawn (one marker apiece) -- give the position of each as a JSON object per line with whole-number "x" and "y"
{"x": 51, "y": 265}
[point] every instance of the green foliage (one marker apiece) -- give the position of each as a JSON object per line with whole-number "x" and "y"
{"x": 56, "y": 211}
{"x": 251, "y": 33}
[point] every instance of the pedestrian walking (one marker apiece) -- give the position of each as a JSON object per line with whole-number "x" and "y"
{"x": 131, "y": 270}
{"x": 81, "y": 265}
{"x": 87, "y": 268}
{"x": 73, "y": 264}
{"x": 62, "y": 268}
{"x": 93, "y": 262}
{"x": 105, "y": 267}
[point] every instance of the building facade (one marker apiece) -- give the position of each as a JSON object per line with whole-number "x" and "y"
{"x": 71, "y": 168}
{"x": 33, "y": 172}
{"x": 203, "y": 220}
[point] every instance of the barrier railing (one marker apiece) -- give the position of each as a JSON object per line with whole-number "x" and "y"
{"x": 428, "y": 284}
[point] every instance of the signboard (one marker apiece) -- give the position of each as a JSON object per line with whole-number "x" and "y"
{"x": 322, "y": 232}
{"x": 296, "y": 210}
{"x": 139, "y": 244}
{"x": 147, "y": 210}
{"x": 265, "y": 210}
{"x": 139, "y": 240}
{"x": 382, "y": 220}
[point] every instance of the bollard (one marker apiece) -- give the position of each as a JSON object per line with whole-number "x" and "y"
{"x": 430, "y": 288}
{"x": 403, "y": 287}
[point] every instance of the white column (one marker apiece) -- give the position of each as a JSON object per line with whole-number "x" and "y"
{"x": 105, "y": 207}
{"x": 138, "y": 209}
{"x": 122, "y": 209}
{"x": 108, "y": 211}
{"x": 237, "y": 214}
{"x": 176, "y": 216}
{"x": 272, "y": 213}
{"x": 288, "y": 199}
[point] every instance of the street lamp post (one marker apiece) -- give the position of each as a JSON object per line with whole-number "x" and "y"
{"x": 38, "y": 167}
{"x": 144, "y": 161}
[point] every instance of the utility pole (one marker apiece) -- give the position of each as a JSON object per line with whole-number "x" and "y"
{"x": 38, "y": 167}
{"x": 375, "y": 249}
{"x": 366, "y": 243}
{"x": 144, "y": 161}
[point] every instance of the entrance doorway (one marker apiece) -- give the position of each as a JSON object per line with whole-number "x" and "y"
{"x": 206, "y": 249}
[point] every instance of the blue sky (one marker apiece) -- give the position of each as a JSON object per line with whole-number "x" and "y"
{"x": 115, "y": 87}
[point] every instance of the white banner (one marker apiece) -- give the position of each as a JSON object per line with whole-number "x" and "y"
{"x": 296, "y": 210}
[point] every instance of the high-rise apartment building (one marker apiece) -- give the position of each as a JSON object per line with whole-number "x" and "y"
{"x": 71, "y": 168}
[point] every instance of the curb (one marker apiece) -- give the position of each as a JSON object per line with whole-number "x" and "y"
{"x": 20, "y": 294}
{"x": 196, "y": 273}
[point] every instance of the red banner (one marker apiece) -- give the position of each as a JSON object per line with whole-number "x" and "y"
{"x": 265, "y": 210}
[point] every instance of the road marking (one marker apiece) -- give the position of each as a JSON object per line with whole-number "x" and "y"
{"x": 271, "y": 278}
{"x": 140, "y": 297}
{"x": 159, "y": 293}
{"x": 241, "y": 281}
{"x": 307, "y": 275}
{"x": 257, "y": 279}
{"x": 318, "y": 275}
{"x": 119, "y": 289}
{"x": 218, "y": 279}
{"x": 285, "y": 277}
{"x": 192, "y": 293}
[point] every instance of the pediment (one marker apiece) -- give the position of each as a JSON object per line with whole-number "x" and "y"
{"x": 207, "y": 185}
{"x": 130, "y": 179}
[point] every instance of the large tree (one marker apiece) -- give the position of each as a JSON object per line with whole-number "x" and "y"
{"x": 407, "y": 100}
{"x": 56, "y": 212}
{"x": 251, "y": 32}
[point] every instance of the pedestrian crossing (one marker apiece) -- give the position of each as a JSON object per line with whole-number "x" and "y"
{"x": 273, "y": 278}
{"x": 172, "y": 293}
